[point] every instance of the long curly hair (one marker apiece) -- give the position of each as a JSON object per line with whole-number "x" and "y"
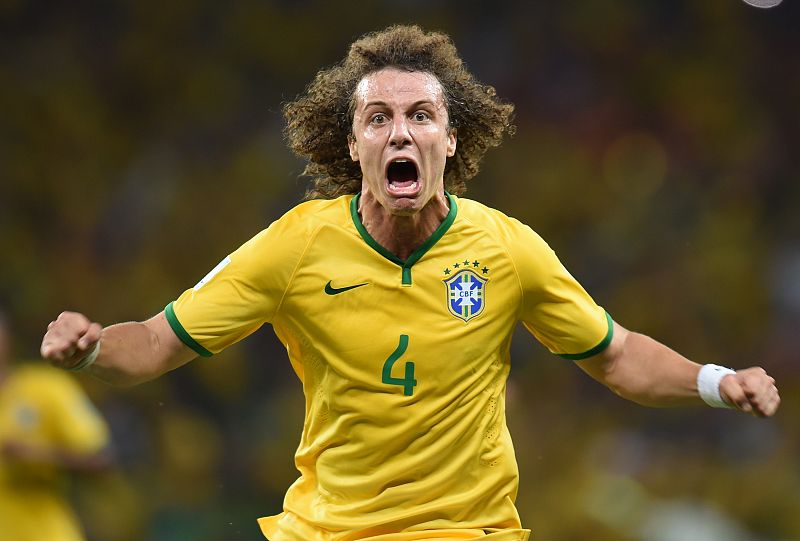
{"x": 319, "y": 122}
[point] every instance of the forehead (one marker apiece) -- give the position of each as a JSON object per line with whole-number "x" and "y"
{"x": 396, "y": 86}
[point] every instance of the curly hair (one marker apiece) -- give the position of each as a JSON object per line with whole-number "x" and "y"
{"x": 319, "y": 122}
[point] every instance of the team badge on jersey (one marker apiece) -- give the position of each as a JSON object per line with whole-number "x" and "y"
{"x": 466, "y": 294}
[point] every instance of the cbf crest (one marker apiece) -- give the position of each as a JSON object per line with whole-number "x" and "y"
{"x": 466, "y": 289}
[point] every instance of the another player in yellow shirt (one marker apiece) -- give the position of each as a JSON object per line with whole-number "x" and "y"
{"x": 48, "y": 428}
{"x": 396, "y": 300}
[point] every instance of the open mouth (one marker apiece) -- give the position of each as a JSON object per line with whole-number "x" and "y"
{"x": 402, "y": 175}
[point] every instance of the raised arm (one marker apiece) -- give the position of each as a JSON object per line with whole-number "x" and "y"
{"x": 645, "y": 371}
{"x": 126, "y": 353}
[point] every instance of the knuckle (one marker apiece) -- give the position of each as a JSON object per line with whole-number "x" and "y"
{"x": 737, "y": 398}
{"x": 745, "y": 405}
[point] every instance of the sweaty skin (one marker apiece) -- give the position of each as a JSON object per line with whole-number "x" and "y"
{"x": 401, "y": 115}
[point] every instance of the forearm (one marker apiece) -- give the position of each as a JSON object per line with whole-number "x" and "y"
{"x": 663, "y": 377}
{"x": 126, "y": 353}
{"x": 642, "y": 370}
{"x": 647, "y": 372}
{"x": 130, "y": 353}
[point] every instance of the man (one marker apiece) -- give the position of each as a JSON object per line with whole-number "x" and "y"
{"x": 396, "y": 301}
{"x": 48, "y": 428}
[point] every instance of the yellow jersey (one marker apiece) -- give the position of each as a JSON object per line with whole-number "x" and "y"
{"x": 403, "y": 363}
{"x": 45, "y": 408}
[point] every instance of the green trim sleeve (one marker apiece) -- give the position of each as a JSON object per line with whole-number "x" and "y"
{"x": 595, "y": 350}
{"x": 185, "y": 337}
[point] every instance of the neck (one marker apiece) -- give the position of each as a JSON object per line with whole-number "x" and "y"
{"x": 402, "y": 234}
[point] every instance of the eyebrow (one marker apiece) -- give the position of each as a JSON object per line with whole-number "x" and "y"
{"x": 375, "y": 103}
{"x": 414, "y": 105}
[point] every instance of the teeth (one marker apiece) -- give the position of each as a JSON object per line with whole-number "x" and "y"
{"x": 413, "y": 185}
{"x": 401, "y": 161}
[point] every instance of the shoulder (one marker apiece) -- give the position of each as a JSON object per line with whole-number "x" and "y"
{"x": 532, "y": 258}
{"x": 301, "y": 221}
{"x": 268, "y": 258}
{"x": 37, "y": 379}
{"x": 39, "y": 373}
{"x": 502, "y": 227}
{"x": 319, "y": 211}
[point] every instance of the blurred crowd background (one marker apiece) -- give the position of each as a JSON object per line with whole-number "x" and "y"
{"x": 656, "y": 151}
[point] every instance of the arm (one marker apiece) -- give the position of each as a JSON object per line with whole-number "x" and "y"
{"x": 78, "y": 462}
{"x": 640, "y": 369}
{"x": 129, "y": 353}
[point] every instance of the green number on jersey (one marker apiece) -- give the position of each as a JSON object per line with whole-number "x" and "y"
{"x": 408, "y": 382}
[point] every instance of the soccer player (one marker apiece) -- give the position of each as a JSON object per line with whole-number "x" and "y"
{"x": 396, "y": 300}
{"x": 48, "y": 428}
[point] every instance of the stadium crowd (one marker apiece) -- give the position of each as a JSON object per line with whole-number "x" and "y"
{"x": 141, "y": 142}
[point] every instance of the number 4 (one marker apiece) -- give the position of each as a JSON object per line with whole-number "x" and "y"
{"x": 408, "y": 382}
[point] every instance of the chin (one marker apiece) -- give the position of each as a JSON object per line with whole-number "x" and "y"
{"x": 404, "y": 206}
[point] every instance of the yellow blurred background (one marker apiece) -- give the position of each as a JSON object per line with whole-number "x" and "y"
{"x": 140, "y": 142}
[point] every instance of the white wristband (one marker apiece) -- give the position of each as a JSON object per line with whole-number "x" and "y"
{"x": 708, "y": 380}
{"x": 87, "y": 361}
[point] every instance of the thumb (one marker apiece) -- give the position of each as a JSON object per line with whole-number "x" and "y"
{"x": 90, "y": 336}
{"x": 732, "y": 392}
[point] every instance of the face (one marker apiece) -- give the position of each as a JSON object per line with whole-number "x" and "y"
{"x": 401, "y": 138}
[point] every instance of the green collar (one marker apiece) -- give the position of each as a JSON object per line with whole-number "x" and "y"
{"x": 417, "y": 254}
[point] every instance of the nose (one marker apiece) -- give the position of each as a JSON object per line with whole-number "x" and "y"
{"x": 400, "y": 136}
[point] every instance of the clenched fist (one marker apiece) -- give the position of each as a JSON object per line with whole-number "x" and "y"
{"x": 69, "y": 339}
{"x": 751, "y": 390}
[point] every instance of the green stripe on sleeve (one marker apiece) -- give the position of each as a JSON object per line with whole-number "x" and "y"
{"x": 185, "y": 337}
{"x": 595, "y": 350}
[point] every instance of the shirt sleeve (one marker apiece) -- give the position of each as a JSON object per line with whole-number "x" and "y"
{"x": 242, "y": 292}
{"x": 556, "y": 309}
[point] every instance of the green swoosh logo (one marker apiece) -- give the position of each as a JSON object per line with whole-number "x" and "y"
{"x": 330, "y": 290}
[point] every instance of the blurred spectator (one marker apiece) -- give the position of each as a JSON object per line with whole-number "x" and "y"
{"x": 48, "y": 429}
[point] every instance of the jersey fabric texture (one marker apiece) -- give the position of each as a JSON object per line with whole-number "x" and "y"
{"x": 403, "y": 363}
{"x": 43, "y": 407}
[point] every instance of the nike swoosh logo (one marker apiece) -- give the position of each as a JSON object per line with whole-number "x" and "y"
{"x": 330, "y": 290}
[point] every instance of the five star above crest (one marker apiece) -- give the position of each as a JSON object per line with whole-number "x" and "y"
{"x": 466, "y": 264}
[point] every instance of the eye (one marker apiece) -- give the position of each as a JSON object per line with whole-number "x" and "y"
{"x": 378, "y": 118}
{"x": 421, "y": 116}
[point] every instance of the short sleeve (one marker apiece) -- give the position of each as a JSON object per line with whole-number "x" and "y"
{"x": 556, "y": 309}
{"x": 242, "y": 292}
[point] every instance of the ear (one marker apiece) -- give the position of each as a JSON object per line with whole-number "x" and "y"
{"x": 451, "y": 143}
{"x": 351, "y": 144}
